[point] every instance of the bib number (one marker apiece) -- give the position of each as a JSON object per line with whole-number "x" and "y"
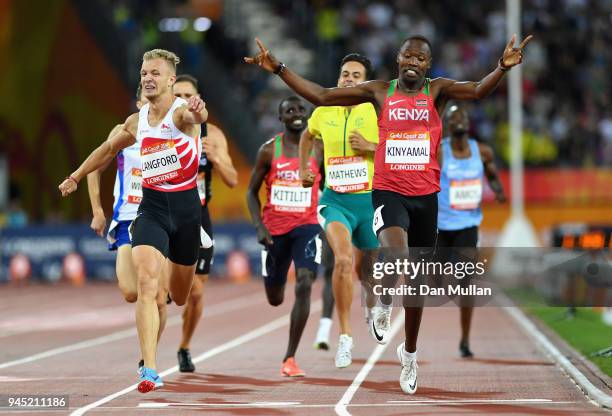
{"x": 407, "y": 151}
{"x": 289, "y": 196}
{"x": 135, "y": 190}
{"x": 160, "y": 161}
{"x": 347, "y": 174}
{"x": 465, "y": 194}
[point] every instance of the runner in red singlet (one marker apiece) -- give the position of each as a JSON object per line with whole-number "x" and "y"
{"x": 168, "y": 219}
{"x": 289, "y": 227}
{"x": 407, "y": 174}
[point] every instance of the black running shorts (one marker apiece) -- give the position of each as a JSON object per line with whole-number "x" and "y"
{"x": 417, "y": 215}
{"x": 170, "y": 222}
{"x": 205, "y": 255}
{"x": 298, "y": 245}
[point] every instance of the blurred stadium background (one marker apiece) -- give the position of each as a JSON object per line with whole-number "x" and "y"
{"x": 69, "y": 71}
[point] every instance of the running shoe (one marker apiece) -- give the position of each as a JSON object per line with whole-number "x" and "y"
{"x": 408, "y": 377}
{"x": 322, "y": 340}
{"x": 344, "y": 355}
{"x": 380, "y": 323}
{"x": 149, "y": 380}
{"x": 140, "y": 366}
{"x": 184, "y": 360}
{"x": 464, "y": 350}
{"x": 291, "y": 369}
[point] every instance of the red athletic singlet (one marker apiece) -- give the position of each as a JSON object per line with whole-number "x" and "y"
{"x": 409, "y": 130}
{"x": 289, "y": 205}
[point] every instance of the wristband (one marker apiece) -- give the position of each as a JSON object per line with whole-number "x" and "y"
{"x": 280, "y": 68}
{"x": 72, "y": 179}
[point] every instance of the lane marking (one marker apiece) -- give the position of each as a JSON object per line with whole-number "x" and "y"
{"x": 236, "y": 342}
{"x": 340, "y": 407}
{"x": 599, "y": 397}
{"x": 213, "y": 310}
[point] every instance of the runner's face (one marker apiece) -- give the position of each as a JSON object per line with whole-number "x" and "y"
{"x": 293, "y": 115}
{"x": 414, "y": 59}
{"x": 351, "y": 74}
{"x": 184, "y": 89}
{"x": 458, "y": 122}
{"x": 156, "y": 77}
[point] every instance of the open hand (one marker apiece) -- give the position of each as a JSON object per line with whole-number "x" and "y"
{"x": 264, "y": 58}
{"x": 513, "y": 56}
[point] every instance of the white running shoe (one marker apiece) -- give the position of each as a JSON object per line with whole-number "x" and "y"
{"x": 322, "y": 340}
{"x": 344, "y": 355}
{"x": 408, "y": 377}
{"x": 380, "y": 323}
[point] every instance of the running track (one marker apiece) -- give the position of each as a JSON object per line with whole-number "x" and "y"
{"x": 81, "y": 342}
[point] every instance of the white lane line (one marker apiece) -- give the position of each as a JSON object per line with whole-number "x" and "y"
{"x": 600, "y": 398}
{"x": 213, "y": 310}
{"x": 236, "y": 342}
{"x": 340, "y": 407}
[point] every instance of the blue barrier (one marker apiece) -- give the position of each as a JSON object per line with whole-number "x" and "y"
{"x": 47, "y": 245}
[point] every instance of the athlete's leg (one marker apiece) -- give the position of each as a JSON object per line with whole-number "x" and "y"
{"x": 327, "y": 261}
{"x": 126, "y": 274}
{"x": 180, "y": 281}
{"x": 162, "y": 296}
{"x": 300, "y": 310}
{"x": 149, "y": 263}
{"x": 339, "y": 238}
{"x": 193, "y": 309}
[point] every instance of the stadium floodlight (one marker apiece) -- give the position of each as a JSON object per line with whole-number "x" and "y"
{"x": 202, "y": 24}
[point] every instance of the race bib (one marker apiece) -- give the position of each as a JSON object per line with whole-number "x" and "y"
{"x": 201, "y": 181}
{"x": 290, "y": 196}
{"x": 465, "y": 194}
{"x": 407, "y": 151}
{"x": 135, "y": 190}
{"x": 347, "y": 174}
{"x": 160, "y": 161}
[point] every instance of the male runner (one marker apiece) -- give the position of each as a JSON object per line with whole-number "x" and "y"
{"x": 168, "y": 220}
{"x": 464, "y": 162}
{"x": 127, "y": 196}
{"x": 407, "y": 174}
{"x": 288, "y": 227}
{"x": 349, "y": 136}
{"x": 214, "y": 154}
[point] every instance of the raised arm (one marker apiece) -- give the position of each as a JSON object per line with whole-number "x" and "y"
{"x": 98, "y": 222}
{"x": 306, "y": 144}
{"x": 471, "y": 90}
{"x": 215, "y": 146}
{"x": 194, "y": 112}
{"x": 102, "y": 155}
{"x": 261, "y": 169}
{"x": 312, "y": 91}
{"x": 490, "y": 170}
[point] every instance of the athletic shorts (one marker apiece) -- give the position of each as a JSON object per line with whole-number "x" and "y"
{"x": 298, "y": 245}
{"x": 417, "y": 215}
{"x": 205, "y": 255}
{"x": 170, "y": 222}
{"x": 120, "y": 234}
{"x": 466, "y": 237}
{"x": 352, "y": 210}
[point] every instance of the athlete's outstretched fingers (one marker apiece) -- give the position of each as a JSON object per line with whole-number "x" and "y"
{"x": 512, "y": 42}
{"x": 262, "y": 48}
{"x": 525, "y": 41}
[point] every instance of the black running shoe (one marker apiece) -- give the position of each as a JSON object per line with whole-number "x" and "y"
{"x": 185, "y": 363}
{"x": 464, "y": 350}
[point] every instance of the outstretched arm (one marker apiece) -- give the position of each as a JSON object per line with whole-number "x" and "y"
{"x": 98, "y": 222}
{"x": 102, "y": 155}
{"x": 215, "y": 146}
{"x": 194, "y": 112}
{"x": 470, "y": 90}
{"x": 261, "y": 169}
{"x": 311, "y": 91}
{"x": 490, "y": 169}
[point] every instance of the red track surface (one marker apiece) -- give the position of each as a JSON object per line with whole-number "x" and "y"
{"x": 509, "y": 376}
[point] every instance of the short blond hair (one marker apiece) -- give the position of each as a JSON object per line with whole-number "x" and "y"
{"x": 169, "y": 57}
